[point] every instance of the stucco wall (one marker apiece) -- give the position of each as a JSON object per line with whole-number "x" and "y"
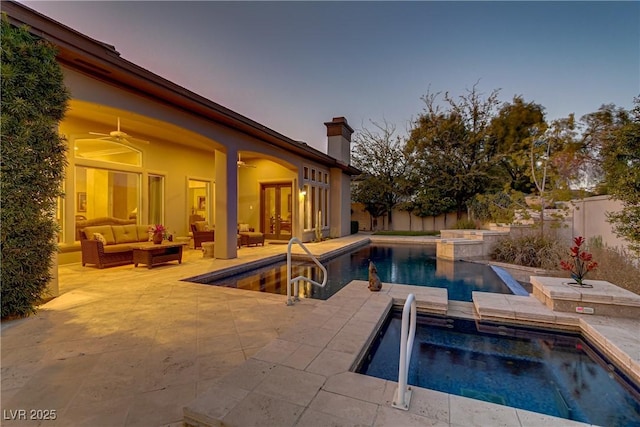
{"x": 401, "y": 221}
{"x": 590, "y": 219}
{"x": 249, "y": 182}
{"x": 182, "y": 147}
{"x": 587, "y": 217}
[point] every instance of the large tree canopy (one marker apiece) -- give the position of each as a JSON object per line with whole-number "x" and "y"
{"x": 469, "y": 145}
{"x": 598, "y": 128}
{"x": 621, "y": 154}
{"x": 510, "y": 136}
{"x": 382, "y": 157}
{"x": 450, "y": 146}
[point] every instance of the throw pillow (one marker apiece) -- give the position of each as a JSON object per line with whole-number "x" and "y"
{"x": 99, "y": 237}
{"x": 243, "y": 227}
{"x": 202, "y": 225}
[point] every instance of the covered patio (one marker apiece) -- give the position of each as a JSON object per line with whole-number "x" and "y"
{"x": 144, "y": 150}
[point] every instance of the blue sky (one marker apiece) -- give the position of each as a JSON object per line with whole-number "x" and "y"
{"x": 294, "y": 65}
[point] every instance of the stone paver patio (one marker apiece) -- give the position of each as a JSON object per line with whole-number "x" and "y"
{"x": 126, "y": 346}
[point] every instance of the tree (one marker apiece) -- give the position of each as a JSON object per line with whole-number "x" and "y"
{"x": 621, "y": 154}
{"x": 382, "y": 157}
{"x": 427, "y": 201}
{"x": 450, "y": 147}
{"x": 511, "y": 130}
{"x": 553, "y": 163}
{"x": 34, "y": 100}
{"x": 598, "y": 128}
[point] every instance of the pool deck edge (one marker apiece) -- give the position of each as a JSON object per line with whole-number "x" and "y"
{"x": 306, "y": 375}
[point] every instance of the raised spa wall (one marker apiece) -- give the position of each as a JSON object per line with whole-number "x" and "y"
{"x": 455, "y": 245}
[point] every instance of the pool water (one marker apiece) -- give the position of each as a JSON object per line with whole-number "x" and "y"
{"x": 542, "y": 371}
{"x": 402, "y": 264}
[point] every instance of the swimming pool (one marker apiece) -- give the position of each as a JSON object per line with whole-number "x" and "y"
{"x": 396, "y": 263}
{"x": 553, "y": 373}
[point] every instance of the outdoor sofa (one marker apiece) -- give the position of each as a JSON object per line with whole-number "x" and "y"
{"x": 110, "y": 245}
{"x": 105, "y": 220}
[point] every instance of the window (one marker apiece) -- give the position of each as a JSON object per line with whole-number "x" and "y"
{"x": 325, "y": 212}
{"x": 156, "y": 199}
{"x": 316, "y": 199}
{"x": 60, "y": 218}
{"x": 198, "y": 193}
{"x": 307, "y": 212}
{"x": 107, "y": 151}
{"x": 106, "y": 193}
{"x": 313, "y": 207}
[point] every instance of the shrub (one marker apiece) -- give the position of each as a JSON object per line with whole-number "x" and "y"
{"x": 616, "y": 266}
{"x": 465, "y": 224}
{"x": 34, "y": 100}
{"x": 529, "y": 251}
{"x": 355, "y": 226}
{"x": 499, "y": 207}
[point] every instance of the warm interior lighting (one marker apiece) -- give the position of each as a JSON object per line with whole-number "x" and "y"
{"x": 303, "y": 193}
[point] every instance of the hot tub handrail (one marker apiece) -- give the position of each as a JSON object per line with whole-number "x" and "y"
{"x": 402, "y": 396}
{"x": 298, "y": 279}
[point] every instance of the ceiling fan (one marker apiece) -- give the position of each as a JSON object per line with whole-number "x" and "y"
{"x": 243, "y": 164}
{"x": 119, "y": 136}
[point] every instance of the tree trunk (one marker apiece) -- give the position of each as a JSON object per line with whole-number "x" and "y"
{"x": 541, "y": 216}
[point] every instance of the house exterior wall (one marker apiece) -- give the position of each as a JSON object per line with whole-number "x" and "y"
{"x": 340, "y": 218}
{"x": 166, "y": 157}
{"x": 191, "y": 138}
{"x": 183, "y": 147}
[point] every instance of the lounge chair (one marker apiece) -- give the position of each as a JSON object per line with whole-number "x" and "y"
{"x": 248, "y": 235}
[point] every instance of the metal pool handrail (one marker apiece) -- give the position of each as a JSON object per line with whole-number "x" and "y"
{"x": 297, "y": 279}
{"x": 402, "y": 396}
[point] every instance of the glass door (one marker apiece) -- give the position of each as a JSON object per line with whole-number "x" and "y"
{"x": 276, "y": 215}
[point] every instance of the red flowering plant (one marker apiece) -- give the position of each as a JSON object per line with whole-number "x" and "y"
{"x": 158, "y": 229}
{"x": 580, "y": 264}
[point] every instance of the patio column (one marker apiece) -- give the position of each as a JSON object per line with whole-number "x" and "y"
{"x": 226, "y": 204}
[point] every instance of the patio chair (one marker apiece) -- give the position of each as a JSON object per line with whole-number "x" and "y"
{"x": 201, "y": 234}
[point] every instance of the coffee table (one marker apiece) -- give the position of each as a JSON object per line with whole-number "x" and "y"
{"x": 152, "y": 254}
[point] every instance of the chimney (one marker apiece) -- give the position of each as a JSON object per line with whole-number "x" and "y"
{"x": 339, "y": 139}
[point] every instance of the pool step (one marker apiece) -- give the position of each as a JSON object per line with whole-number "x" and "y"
{"x": 515, "y": 287}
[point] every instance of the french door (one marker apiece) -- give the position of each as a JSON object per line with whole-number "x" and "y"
{"x": 276, "y": 210}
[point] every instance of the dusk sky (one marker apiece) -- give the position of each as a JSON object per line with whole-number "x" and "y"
{"x": 294, "y": 65}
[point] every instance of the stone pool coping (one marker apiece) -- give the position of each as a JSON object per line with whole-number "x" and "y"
{"x": 304, "y": 376}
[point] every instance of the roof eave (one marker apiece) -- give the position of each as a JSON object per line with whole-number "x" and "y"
{"x": 101, "y": 61}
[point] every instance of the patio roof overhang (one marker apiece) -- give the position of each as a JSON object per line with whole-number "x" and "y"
{"x": 102, "y": 61}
